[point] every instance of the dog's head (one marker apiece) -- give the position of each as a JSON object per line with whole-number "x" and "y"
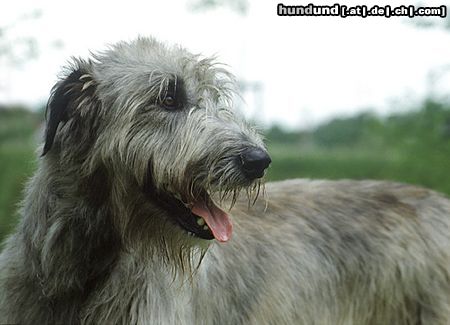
{"x": 163, "y": 116}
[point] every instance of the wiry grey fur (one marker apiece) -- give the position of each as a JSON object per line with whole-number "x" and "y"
{"x": 94, "y": 247}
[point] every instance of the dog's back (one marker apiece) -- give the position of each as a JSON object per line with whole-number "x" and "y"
{"x": 322, "y": 252}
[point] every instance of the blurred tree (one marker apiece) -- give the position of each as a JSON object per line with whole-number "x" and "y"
{"x": 431, "y": 22}
{"x": 345, "y": 131}
{"x": 239, "y": 6}
{"x": 435, "y": 75}
{"x": 276, "y": 134}
{"x": 17, "y": 50}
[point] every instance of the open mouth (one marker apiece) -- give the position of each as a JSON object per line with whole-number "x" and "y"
{"x": 200, "y": 217}
{"x": 207, "y": 220}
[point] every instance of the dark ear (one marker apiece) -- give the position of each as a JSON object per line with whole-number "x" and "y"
{"x": 65, "y": 99}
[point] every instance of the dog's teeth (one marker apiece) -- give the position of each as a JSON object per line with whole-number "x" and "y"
{"x": 205, "y": 227}
{"x": 191, "y": 234}
{"x": 200, "y": 221}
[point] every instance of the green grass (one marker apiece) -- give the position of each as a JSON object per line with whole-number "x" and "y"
{"x": 16, "y": 165}
{"x": 423, "y": 169}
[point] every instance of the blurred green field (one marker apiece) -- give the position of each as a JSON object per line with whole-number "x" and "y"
{"x": 16, "y": 165}
{"x": 17, "y": 144}
{"x": 294, "y": 161}
{"x": 413, "y": 147}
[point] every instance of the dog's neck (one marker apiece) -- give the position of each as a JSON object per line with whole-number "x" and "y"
{"x": 78, "y": 246}
{"x": 83, "y": 238}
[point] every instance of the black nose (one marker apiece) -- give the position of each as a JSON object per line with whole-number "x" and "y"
{"x": 254, "y": 161}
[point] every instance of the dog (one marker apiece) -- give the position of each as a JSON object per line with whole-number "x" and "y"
{"x": 148, "y": 206}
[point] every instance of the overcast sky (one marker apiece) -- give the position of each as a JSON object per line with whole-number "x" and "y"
{"x": 310, "y": 68}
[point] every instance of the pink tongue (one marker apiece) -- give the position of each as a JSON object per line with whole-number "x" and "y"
{"x": 217, "y": 220}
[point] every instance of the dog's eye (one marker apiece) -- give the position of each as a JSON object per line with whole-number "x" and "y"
{"x": 169, "y": 102}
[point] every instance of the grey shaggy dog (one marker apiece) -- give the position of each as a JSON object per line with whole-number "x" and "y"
{"x": 124, "y": 221}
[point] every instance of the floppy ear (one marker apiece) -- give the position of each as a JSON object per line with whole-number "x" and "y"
{"x": 66, "y": 99}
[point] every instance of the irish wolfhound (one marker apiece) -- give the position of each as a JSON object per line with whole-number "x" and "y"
{"x": 124, "y": 221}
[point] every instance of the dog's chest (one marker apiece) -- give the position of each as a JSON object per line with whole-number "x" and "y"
{"x": 162, "y": 300}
